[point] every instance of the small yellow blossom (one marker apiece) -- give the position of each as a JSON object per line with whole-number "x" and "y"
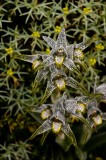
{"x": 48, "y": 51}
{"x": 100, "y": 46}
{"x": 65, "y": 10}
{"x": 98, "y": 158}
{"x": 87, "y": 10}
{"x": 92, "y": 61}
{"x": 58, "y": 29}
{"x": 32, "y": 128}
{"x": 19, "y": 116}
{"x": 12, "y": 124}
{"x": 9, "y": 50}
{"x": 21, "y": 124}
{"x": 10, "y": 72}
{"x": 35, "y": 34}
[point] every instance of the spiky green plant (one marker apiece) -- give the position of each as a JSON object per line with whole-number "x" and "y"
{"x": 61, "y": 101}
{"x": 58, "y": 117}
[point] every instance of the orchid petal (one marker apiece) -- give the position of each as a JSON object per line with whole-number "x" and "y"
{"x": 61, "y": 40}
{"x": 28, "y": 58}
{"x": 67, "y": 130}
{"x": 50, "y": 88}
{"x": 42, "y": 129}
{"x": 50, "y": 41}
{"x": 39, "y": 77}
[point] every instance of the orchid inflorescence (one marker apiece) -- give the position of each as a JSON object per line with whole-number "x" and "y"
{"x": 54, "y": 65}
{"x": 60, "y": 116}
{"x": 60, "y": 68}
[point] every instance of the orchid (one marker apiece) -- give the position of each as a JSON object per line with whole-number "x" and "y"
{"x": 102, "y": 90}
{"x": 56, "y": 121}
{"x": 53, "y": 66}
{"x": 94, "y": 114}
{"x": 56, "y": 116}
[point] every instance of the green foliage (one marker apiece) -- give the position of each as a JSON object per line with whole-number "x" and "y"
{"x": 62, "y": 96}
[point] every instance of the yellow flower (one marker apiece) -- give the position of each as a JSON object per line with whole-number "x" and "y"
{"x": 9, "y": 50}
{"x": 65, "y": 10}
{"x": 12, "y": 124}
{"x": 31, "y": 128}
{"x": 21, "y": 124}
{"x": 58, "y": 29}
{"x": 98, "y": 158}
{"x": 35, "y": 34}
{"x": 10, "y": 72}
{"x": 92, "y": 61}
{"x": 48, "y": 51}
{"x": 100, "y": 46}
{"x": 87, "y": 10}
{"x": 19, "y": 116}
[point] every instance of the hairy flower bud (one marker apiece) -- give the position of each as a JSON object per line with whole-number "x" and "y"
{"x": 97, "y": 120}
{"x": 35, "y": 64}
{"x": 46, "y": 113}
{"x": 61, "y": 135}
{"x": 56, "y": 127}
{"x": 60, "y": 83}
{"x": 81, "y": 108}
{"x": 79, "y": 54}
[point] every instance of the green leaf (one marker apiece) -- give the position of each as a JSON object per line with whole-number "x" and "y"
{"x": 85, "y": 134}
{"x": 65, "y": 143}
{"x": 81, "y": 154}
{"x": 95, "y": 141}
{"x": 44, "y": 136}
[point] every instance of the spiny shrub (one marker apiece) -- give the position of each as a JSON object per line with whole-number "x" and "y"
{"x": 61, "y": 98}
